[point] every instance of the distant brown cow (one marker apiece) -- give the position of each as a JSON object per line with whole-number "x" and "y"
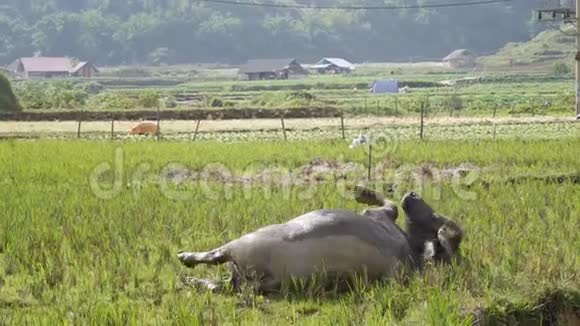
{"x": 144, "y": 128}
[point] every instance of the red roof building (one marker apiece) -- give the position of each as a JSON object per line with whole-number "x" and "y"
{"x": 50, "y": 67}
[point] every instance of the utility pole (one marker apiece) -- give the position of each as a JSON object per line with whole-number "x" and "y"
{"x": 577, "y": 57}
{"x": 569, "y": 16}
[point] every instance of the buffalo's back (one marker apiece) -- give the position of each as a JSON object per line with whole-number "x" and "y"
{"x": 324, "y": 240}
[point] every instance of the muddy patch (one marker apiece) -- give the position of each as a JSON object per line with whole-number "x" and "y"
{"x": 320, "y": 171}
{"x": 316, "y": 171}
{"x": 388, "y": 172}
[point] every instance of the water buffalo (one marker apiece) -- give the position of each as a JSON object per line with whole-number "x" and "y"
{"x": 339, "y": 243}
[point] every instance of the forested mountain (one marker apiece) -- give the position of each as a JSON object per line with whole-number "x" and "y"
{"x": 185, "y": 31}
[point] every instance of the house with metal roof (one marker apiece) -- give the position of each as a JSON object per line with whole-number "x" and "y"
{"x": 333, "y": 66}
{"x": 84, "y": 69}
{"x": 461, "y": 58}
{"x": 260, "y": 69}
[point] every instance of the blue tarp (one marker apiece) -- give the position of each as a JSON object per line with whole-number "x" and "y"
{"x": 385, "y": 86}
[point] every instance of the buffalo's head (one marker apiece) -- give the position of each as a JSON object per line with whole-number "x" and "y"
{"x": 432, "y": 237}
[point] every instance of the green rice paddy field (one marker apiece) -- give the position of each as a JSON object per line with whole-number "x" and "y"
{"x": 89, "y": 229}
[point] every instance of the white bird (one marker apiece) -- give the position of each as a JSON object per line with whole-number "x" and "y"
{"x": 359, "y": 141}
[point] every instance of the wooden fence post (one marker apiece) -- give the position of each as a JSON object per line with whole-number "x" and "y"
{"x": 422, "y": 119}
{"x": 112, "y": 128}
{"x": 79, "y": 125}
{"x": 158, "y": 121}
{"x": 283, "y": 127}
{"x": 342, "y": 124}
{"x": 370, "y": 162}
{"x": 196, "y": 129}
{"x": 495, "y": 110}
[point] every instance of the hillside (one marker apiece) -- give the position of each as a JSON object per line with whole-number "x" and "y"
{"x": 156, "y": 32}
{"x": 548, "y": 46}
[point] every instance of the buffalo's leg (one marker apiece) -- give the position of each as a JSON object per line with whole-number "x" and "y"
{"x": 237, "y": 278}
{"x": 214, "y": 257}
{"x": 269, "y": 285}
{"x": 204, "y": 284}
{"x": 263, "y": 283}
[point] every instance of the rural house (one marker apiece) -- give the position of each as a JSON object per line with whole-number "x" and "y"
{"x": 84, "y": 69}
{"x": 50, "y": 67}
{"x": 461, "y": 58}
{"x": 271, "y": 69}
{"x": 333, "y": 66}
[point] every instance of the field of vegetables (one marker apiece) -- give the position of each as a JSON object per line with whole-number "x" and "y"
{"x": 490, "y": 94}
{"x": 90, "y": 229}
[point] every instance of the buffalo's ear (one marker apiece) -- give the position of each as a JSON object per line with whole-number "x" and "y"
{"x": 450, "y": 235}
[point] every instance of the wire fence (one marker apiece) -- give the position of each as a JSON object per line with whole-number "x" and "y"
{"x": 426, "y": 124}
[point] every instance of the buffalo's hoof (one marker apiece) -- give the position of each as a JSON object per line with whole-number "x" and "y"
{"x": 187, "y": 259}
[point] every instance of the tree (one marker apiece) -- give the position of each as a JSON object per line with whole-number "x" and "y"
{"x": 8, "y": 101}
{"x": 149, "y": 99}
